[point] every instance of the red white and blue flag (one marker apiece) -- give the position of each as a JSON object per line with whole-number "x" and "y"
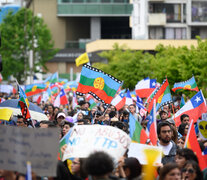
{"x": 145, "y": 87}
{"x": 129, "y": 99}
{"x": 61, "y": 99}
{"x": 195, "y": 107}
{"x": 119, "y": 101}
{"x": 151, "y": 129}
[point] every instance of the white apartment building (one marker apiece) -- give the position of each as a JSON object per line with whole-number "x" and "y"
{"x": 169, "y": 19}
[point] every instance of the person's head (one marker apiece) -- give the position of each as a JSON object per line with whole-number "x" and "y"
{"x": 170, "y": 171}
{"x": 20, "y": 121}
{"x": 125, "y": 115}
{"x": 192, "y": 171}
{"x": 113, "y": 108}
{"x": 166, "y": 108}
{"x": 46, "y": 124}
{"x": 60, "y": 117}
{"x": 181, "y": 142}
{"x": 50, "y": 108}
{"x": 56, "y": 110}
{"x": 184, "y": 119}
{"x": 66, "y": 127}
{"x": 132, "y": 168}
{"x": 182, "y": 155}
{"x": 77, "y": 167}
{"x": 132, "y": 108}
{"x": 164, "y": 132}
{"x": 82, "y": 105}
{"x": 82, "y": 122}
{"x": 80, "y": 116}
{"x": 163, "y": 115}
{"x": 99, "y": 164}
{"x": 183, "y": 129}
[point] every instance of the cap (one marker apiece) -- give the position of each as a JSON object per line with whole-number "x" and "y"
{"x": 114, "y": 119}
{"x": 69, "y": 119}
{"x": 170, "y": 120}
{"x": 61, "y": 114}
{"x": 163, "y": 111}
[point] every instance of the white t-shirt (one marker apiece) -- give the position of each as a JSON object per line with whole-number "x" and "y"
{"x": 166, "y": 149}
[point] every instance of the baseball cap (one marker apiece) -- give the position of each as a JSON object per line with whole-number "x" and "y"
{"x": 163, "y": 111}
{"x": 61, "y": 114}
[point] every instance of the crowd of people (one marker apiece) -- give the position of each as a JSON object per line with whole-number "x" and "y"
{"x": 177, "y": 162}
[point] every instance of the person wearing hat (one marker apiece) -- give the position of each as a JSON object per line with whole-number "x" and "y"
{"x": 60, "y": 117}
{"x": 163, "y": 116}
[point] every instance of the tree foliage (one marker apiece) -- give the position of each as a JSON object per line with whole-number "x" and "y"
{"x": 177, "y": 64}
{"x": 22, "y": 32}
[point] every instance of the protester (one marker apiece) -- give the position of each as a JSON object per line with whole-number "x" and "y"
{"x": 184, "y": 118}
{"x": 65, "y": 125}
{"x": 170, "y": 171}
{"x": 181, "y": 142}
{"x": 99, "y": 165}
{"x": 20, "y": 121}
{"x": 164, "y": 132}
{"x": 182, "y": 155}
{"x": 183, "y": 129}
{"x": 192, "y": 171}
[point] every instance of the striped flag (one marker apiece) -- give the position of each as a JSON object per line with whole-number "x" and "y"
{"x": 191, "y": 142}
{"x": 137, "y": 132}
{"x": 190, "y": 85}
{"x": 119, "y": 101}
{"x": 152, "y": 126}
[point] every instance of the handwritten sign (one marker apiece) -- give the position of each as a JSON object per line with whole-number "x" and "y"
{"x": 86, "y": 139}
{"x": 202, "y": 126}
{"x": 137, "y": 150}
{"x": 19, "y": 145}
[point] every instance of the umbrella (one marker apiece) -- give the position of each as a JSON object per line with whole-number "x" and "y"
{"x": 35, "y": 111}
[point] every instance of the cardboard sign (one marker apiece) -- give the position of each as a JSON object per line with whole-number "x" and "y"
{"x": 19, "y": 145}
{"x": 86, "y": 139}
{"x": 202, "y": 126}
{"x": 137, "y": 150}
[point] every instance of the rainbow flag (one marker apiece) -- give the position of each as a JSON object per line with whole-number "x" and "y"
{"x": 137, "y": 132}
{"x": 191, "y": 142}
{"x": 33, "y": 89}
{"x": 100, "y": 85}
{"x": 186, "y": 85}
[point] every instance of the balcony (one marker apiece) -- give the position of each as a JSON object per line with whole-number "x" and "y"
{"x": 157, "y": 19}
{"x": 68, "y": 8}
{"x": 80, "y": 44}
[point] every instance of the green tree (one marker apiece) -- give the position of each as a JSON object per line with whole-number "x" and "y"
{"x": 22, "y": 32}
{"x": 177, "y": 64}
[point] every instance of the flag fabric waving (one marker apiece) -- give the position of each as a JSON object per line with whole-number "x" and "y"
{"x": 33, "y": 89}
{"x": 24, "y": 104}
{"x": 159, "y": 93}
{"x": 164, "y": 98}
{"x": 100, "y": 85}
{"x": 182, "y": 102}
{"x": 191, "y": 142}
{"x": 82, "y": 59}
{"x": 119, "y": 101}
{"x": 145, "y": 87}
{"x": 186, "y": 85}
{"x": 52, "y": 79}
{"x": 129, "y": 99}
{"x": 137, "y": 132}
{"x": 194, "y": 108}
{"x": 61, "y": 99}
{"x": 151, "y": 126}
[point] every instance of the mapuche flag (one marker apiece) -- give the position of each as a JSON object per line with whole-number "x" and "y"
{"x": 100, "y": 85}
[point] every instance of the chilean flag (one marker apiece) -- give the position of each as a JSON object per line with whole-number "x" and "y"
{"x": 129, "y": 99}
{"x": 195, "y": 107}
{"x": 145, "y": 87}
{"x": 119, "y": 101}
{"x": 61, "y": 99}
{"x": 151, "y": 129}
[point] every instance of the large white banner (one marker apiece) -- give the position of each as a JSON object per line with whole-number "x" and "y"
{"x": 86, "y": 139}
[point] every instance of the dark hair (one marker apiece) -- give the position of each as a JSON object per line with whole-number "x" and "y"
{"x": 81, "y": 103}
{"x": 19, "y": 116}
{"x": 166, "y": 169}
{"x": 181, "y": 128}
{"x": 83, "y": 120}
{"x": 49, "y": 123}
{"x": 134, "y": 166}
{"x": 99, "y": 163}
{"x": 132, "y": 105}
{"x": 183, "y": 116}
{"x": 188, "y": 154}
{"x": 66, "y": 122}
{"x": 199, "y": 174}
{"x": 112, "y": 114}
{"x": 162, "y": 124}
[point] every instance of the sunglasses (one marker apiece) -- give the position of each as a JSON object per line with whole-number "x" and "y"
{"x": 191, "y": 171}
